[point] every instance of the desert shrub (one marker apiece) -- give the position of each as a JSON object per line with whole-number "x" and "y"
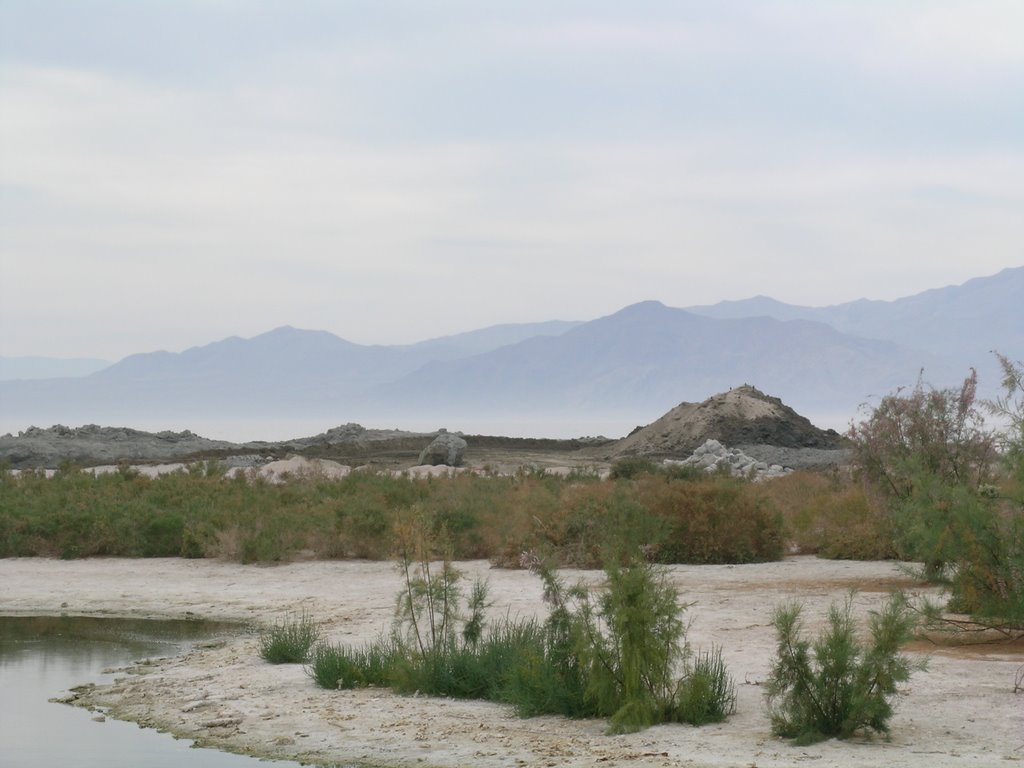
{"x": 427, "y": 609}
{"x": 719, "y": 519}
{"x": 837, "y": 686}
{"x": 707, "y": 693}
{"x": 366, "y": 505}
{"x": 632, "y": 466}
{"x": 1008, "y": 407}
{"x": 926, "y": 432}
{"x": 290, "y": 641}
{"x": 931, "y": 452}
{"x": 476, "y": 513}
{"x": 602, "y": 520}
{"x": 974, "y": 543}
{"x": 162, "y": 535}
{"x": 683, "y": 472}
{"x": 831, "y": 515}
{"x": 635, "y": 647}
{"x": 529, "y": 518}
{"x": 478, "y": 669}
{"x": 620, "y": 656}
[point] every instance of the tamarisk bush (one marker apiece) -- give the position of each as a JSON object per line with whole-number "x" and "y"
{"x": 837, "y": 686}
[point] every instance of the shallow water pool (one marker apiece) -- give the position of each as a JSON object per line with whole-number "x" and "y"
{"x": 43, "y": 657}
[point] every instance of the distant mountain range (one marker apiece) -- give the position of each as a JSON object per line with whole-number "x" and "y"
{"x": 634, "y": 364}
{"x": 960, "y": 323}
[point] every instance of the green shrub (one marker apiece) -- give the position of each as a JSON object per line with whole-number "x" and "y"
{"x": 630, "y": 467}
{"x": 925, "y": 432}
{"x": 619, "y": 655}
{"x": 470, "y": 670}
{"x": 623, "y": 656}
{"x": 837, "y": 686}
{"x": 338, "y": 666}
{"x": 290, "y": 640}
{"x": 707, "y": 693}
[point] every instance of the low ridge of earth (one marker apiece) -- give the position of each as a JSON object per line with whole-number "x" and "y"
{"x": 92, "y": 445}
{"x": 762, "y": 426}
{"x": 349, "y": 444}
{"x": 743, "y": 416}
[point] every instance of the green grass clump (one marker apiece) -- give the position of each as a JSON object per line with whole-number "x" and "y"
{"x": 290, "y": 640}
{"x": 342, "y": 667}
{"x": 707, "y": 693}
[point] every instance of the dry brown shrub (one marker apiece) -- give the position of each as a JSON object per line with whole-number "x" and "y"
{"x": 831, "y": 516}
{"x": 715, "y": 520}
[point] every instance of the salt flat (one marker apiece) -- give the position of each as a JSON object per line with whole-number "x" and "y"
{"x": 961, "y": 712}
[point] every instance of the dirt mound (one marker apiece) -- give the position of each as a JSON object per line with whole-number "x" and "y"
{"x": 741, "y": 416}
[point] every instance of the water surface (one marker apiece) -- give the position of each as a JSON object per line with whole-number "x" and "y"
{"x": 43, "y": 657}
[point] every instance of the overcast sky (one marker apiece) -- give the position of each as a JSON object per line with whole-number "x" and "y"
{"x": 176, "y": 172}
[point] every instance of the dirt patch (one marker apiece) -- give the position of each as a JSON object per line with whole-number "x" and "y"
{"x": 885, "y": 585}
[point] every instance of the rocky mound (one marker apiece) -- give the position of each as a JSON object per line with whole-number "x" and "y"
{"x": 741, "y": 416}
{"x": 712, "y": 456}
{"x": 93, "y": 445}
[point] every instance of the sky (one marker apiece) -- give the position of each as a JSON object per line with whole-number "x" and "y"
{"x": 172, "y": 173}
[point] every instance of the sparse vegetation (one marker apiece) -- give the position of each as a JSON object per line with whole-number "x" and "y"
{"x": 620, "y": 655}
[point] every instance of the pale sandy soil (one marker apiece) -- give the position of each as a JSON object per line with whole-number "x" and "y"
{"x": 961, "y": 712}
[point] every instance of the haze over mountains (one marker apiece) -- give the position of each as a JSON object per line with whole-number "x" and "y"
{"x": 626, "y": 368}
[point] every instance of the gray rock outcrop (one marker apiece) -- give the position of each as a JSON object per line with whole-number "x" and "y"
{"x": 91, "y": 445}
{"x": 712, "y": 456}
{"x": 446, "y": 449}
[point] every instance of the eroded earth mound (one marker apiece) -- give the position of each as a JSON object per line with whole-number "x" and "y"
{"x": 740, "y": 417}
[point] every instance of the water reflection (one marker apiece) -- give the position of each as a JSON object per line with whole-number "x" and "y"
{"x": 42, "y": 657}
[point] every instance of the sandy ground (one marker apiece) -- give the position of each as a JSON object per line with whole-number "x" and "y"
{"x": 961, "y": 712}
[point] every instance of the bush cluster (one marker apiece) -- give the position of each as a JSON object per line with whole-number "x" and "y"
{"x": 620, "y": 656}
{"x": 199, "y": 513}
{"x": 617, "y": 652}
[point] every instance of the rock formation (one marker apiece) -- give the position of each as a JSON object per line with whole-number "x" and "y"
{"x": 712, "y": 456}
{"x": 446, "y": 449}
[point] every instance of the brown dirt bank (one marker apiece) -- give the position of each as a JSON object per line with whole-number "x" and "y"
{"x": 961, "y": 712}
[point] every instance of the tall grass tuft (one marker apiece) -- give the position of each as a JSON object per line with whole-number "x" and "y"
{"x": 290, "y": 640}
{"x": 342, "y": 667}
{"x": 707, "y": 693}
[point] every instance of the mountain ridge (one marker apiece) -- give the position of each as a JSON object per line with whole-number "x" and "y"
{"x": 636, "y": 362}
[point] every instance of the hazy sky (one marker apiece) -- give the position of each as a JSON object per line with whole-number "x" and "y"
{"x": 176, "y": 172}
